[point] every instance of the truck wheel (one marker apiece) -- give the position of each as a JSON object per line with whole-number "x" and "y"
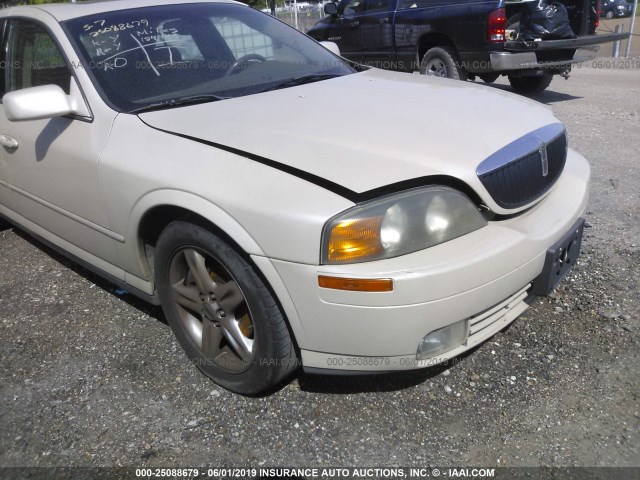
{"x": 530, "y": 84}
{"x": 221, "y": 312}
{"x": 513, "y": 23}
{"x": 442, "y": 62}
{"x": 610, "y": 14}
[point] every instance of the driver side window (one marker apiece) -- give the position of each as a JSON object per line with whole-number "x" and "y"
{"x": 356, "y": 7}
{"x": 353, "y": 7}
{"x": 33, "y": 59}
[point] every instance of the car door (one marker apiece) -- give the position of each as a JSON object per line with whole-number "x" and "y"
{"x": 607, "y": 6}
{"x": 51, "y": 165}
{"x": 346, "y": 31}
{"x": 376, "y": 29}
{"x": 367, "y": 31}
{"x": 5, "y": 192}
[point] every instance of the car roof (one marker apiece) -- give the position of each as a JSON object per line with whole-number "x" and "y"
{"x": 67, "y": 11}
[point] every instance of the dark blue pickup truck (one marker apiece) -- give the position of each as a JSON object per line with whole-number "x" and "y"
{"x": 461, "y": 39}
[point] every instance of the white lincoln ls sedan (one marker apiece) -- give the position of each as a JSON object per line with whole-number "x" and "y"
{"x": 284, "y": 206}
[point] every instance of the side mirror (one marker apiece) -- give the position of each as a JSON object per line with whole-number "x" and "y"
{"x": 36, "y": 103}
{"x": 332, "y": 47}
{"x": 330, "y": 8}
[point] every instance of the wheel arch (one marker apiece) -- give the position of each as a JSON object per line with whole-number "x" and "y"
{"x": 430, "y": 40}
{"x": 158, "y": 209}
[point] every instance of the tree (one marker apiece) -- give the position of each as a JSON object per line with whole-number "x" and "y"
{"x": 261, "y": 3}
{"x": 13, "y": 3}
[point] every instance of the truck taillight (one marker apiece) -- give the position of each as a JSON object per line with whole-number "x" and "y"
{"x": 497, "y": 25}
{"x": 596, "y": 23}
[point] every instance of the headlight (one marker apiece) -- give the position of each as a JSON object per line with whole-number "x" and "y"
{"x": 399, "y": 224}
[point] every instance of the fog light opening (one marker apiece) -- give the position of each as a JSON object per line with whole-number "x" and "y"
{"x": 443, "y": 340}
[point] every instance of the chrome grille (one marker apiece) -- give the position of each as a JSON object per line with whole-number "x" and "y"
{"x": 526, "y": 169}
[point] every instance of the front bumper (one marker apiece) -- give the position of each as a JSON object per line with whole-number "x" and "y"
{"x": 505, "y": 61}
{"x": 483, "y": 277}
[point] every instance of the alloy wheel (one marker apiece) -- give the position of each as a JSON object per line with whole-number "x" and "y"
{"x": 212, "y": 309}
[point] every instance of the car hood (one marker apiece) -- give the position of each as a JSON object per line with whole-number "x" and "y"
{"x": 367, "y": 130}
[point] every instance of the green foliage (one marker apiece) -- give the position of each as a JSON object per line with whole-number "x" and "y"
{"x": 251, "y": 3}
{"x": 259, "y": 4}
{"x": 10, "y": 3}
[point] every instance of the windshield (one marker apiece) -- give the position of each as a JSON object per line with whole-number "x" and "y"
{"x": 167, "y": 55}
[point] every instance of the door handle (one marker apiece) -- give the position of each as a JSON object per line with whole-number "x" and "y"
{"x": 355, "y": 24}
{"x": 383, "y": 20}
{"x": 9, "y": 142}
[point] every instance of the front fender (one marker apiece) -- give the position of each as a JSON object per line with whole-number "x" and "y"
{"x": 137, "y": 264}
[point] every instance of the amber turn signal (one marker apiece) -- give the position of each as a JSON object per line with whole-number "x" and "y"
{"x": 356, "y": 284}
{"x": 355, "y": 239}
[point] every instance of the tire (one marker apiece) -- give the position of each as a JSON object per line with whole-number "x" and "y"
{"x": 513, "y": 23}
{"x": 609, "y": 15}
{"x": 442, "y": 62}
{"x": 530, "y": 84}
{"x": 221, "y": 312}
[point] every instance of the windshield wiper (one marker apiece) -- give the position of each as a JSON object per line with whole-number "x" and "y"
{"x": 177, "y": 102}
{"x": 301, "y": 80}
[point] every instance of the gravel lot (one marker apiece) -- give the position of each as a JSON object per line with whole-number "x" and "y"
{"x": 90, "y": 377}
